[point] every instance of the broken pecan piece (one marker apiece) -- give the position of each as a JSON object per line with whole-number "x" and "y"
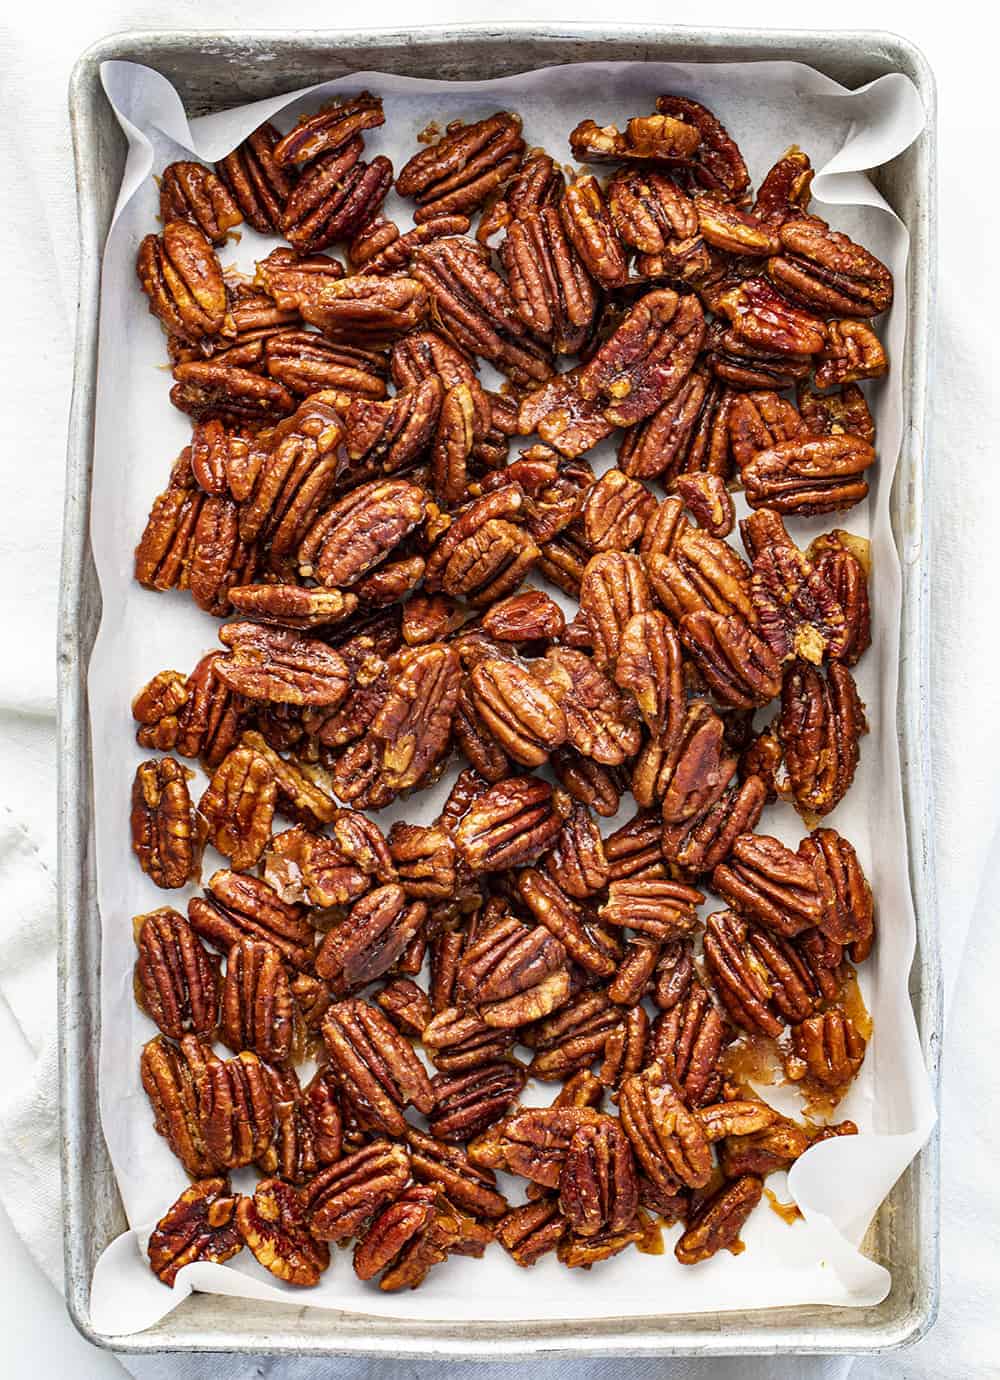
{"x": 165, "y": 834}
{"x": 273, "y": 1224}
{"x": 365, "y": 310}
{"x": 717, "y": 1223}
{"x": 660, "y": 137}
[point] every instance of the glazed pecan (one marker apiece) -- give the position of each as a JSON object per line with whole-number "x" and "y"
{"x": 809, "y": 476}
{"x": 762, "y": 980}
{"x": 649, "y": 665}
{"x": 395, "y": 1234}
{"x": 827, "y": 1048}
{"x": 759, "y": 420}
{"x": 181, "y": 276}
{"x": 537, "y": 184}
{"x": 532, "y": 1142}
{"x": 176, "y": 981}
{"x": 239, "y": 904}
{"x": 825, "y": 269}
{"x": 513, "y": 974}
{"x": 849, "y": 918}
{"x": 583, "y": 1252}
{"x": 762, "y": 1152}
{"x": 280, "y": 666}
{"x": 457, "y": 1040}
{"x": 625, "y": 1048}
{"x": 171, "y": 1076}
{"x": 156, "y": 709}
{"x": 700, "y": 573}
{"x": 589, "y": 227}
{"x": 236, "y": 1108}
{"x": 213, "y": 388}
{"x": 192, "y": 192}
{"x": 598, "y": 1190}
{"x": 798, "y": 611}
{"x": 378, "y": 248}
{"x": 329, "y": 129}
{"x": 687, "y": 434}
{"x": 238, "y": 807}
{"x": 669, "y": 1141}
{"x": 529, "y": 616}
{"x": 391, "y": 434}
{"x": 649, "y": 212}
{"x": 853, "y": 351}
{"x": 198, "y": 1226}
{"x": 468, "y": 1102}
{"x": 299, "y": 796}
{"x": 574, "y": 1037}
{"x": 211, "y": 718}
{"x": 689, "y": 774}
{"x": 739, "y": 667}
{"x": 716, "y": 162}
{"x": 296, "y": 477}
{"x": 570, "y": 923}
{"x": 273, "y": 1224}
{"x": 552, "y": 290}
{"x": 531, "y": 1231}
{"x": 785, "y": 191}
{"x": 674, "y": 974}
{"x": 819, "y": 726}
{"x": 734, "y": 231}
{"x": 424, "y": 858}
{"x": 406, "y": 1004}
{"x": 365, "y": 309}
{"x": 717, "y": 1223}
{"x": 258, "y": 1012}
{"x": 661, "y": 137}
{"x": 614, "y": 588}
{"x": 615, "y": 512}
{"x": 369, "y": 940}
{"x": 635, "y": 972}
{"x": 749, "y": 364}
{"x": 661, "y": 909}
{"x": 600, "y": 721}
{"x": 375, "y": 1067}
{"x": 344, "y": 1196}
{"x": 837, "y": 561}
{"x": 762, "y": 319}
{"x": 166, "y": 837}
{"x": 305, "y": 362}
{"x": 459, "y": 172}
{"x": 451, "y": 1169}
{"x": 767, "y": 882}
{"x": 577, "y": 862}
{"x": 483, "y": 556}
{"x": 708, "y": 500}
{"x": 688, "y": 1039}
{"x": 509, "y": 825}
{"x": 413, "y": 725}
{"x": 699, "y": 846}
{"x": 517, "y": 710}
{"x": 258, "y": 184}
{"x": 361, "y": 529}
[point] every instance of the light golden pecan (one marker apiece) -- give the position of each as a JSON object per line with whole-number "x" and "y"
{"x": 200, "y": 1225}
{"x": 762, "y": 979}
{"x": 797, "y": 608}
{"x": 785, "y": 191}
{"x": 363, "y": 310}
{"x": 531, "y": 1231}
{"x": 552, "y": 290}
{"x": 649, "y": 665}
{"x": 614, "y": 588}
{"x": 238, "y": 807}
{"x": 513, "y": 974}
{"x": 688, "y": 1039}
{"x": 258, "y": 184}
{"x": 808, "y": 476}
{"x": 470, "y": 1100}
{"x": 305, "y": 362}
{"x": 762, "y": 319}
{"x": 700, "y": 573}
{"x": 278, "y": 665}
{"x": 615, "y": 512}
{"x": 450, "y": 1168}
{"x": 532, "y": 1142}
{"x": 214, "y": 388}
{"x": 577, "y": 862}
{"x": 598, "y": 1190}
{"x": 699, "y": 846}
{"x": 412, "y": 727}
{"x": 236, "y": 1110}
{"x": 570, "y": 923}
{"x": 739, "y": 668}
{"x": 529, "y": 616}
{"x": 853, "y": 351}
{"x": 166, "y": 838}
{"x": 850, "y": 917}
{"x": 826, "y": 1048}
{"x": 182, "y": 278}
{"x": 192, "y": 192}
{"x": 574, "y": 1037}
{"x": 476, "y": 308}
{"x": 239, "y": 904}
{"x": 258, "y": 1012}
{"x": 509, "y": 825}
{"x": 819, "y": 726}
{"x": 600, "y": 721}
{"x": 767, "y": 882}
{"x": 716, "y": 1224}
{"x": 344, "y": 1196}
{"x": 176, "y": 981}
{"x": 659, "y": 137}
{"x": 825, "y": 269}
{"x": 459, "y": 172}
{"x": 589, "y": 227}
{"x": 171, "y": 1077}
{"x": 273, "y": 1224}
{"x": 669, "y": 1141}
{"x": 840, "y": 560}
{"x": 517, "y": 710}
{"x": 375, "y": 1067}
{"x": 653, "y": 906}
{"x": 372, "y": 936}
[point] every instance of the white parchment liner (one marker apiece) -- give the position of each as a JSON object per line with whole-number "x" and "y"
{"x": 838, "y": 1184}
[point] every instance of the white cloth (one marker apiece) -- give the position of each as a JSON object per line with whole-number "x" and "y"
{"x": 39, "y": 298}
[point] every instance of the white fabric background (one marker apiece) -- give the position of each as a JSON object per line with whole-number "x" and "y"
{"x": 38, "y": 226}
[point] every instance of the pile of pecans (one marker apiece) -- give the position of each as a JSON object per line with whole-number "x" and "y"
{"x": 348, "y": 500}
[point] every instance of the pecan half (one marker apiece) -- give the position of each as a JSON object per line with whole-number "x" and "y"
{"x": 813, "y": 475}
{"x": 329, "y": 129}
{"x": 361, "y": 529}
{"x": 669, "y": 1141}
{"x": 762, "y": 319}
{"x": 532, "y": 1142}
{"x": 827, "y": 270}
{"x": 365, "y": 310}
{"x": 530, "y": 616}
{"x": 259, "y": 185}
{"x": 470, "y": 1101}
{"x": 828, "y": 1048}
{"x": 238, "y": 807}
{"x": 570, "y": 923}
{"x": 459, "y": 172}
{"x": 594, "y": 785}
{"x": 850, "y": 918}
{"x": 344, "y": 1196}
{"x": 371, "y": 938}
{"x": 258, "y": 1012}
{"x": 200, "y": 1225}
{"x": 717, "y": 1223}
{"x": 483, "y": 556}
{"x": 819, "y": 726}
{"x": 688, "y": 1039}
{"x": 509, "y": 825}
{"x": 273, "y": 1224}
{"x": 517, "y": 710}
{"x": 574, "y": 1037}
{"x": 716, "y": 162}
{"x": 375, "y": 1067}
{"x": 700, "y": 846}
{"x": 700, "y": 573}
{"x": 649, "y": 664}
{"x": 690, "y": 774}
{"x": 280, "y": 666}
{"x": 213, "y": 388}
{"x": 190, "y": 191}
{"x": 305, "y": 362}
{"x": 598, "y": 1190}
{"x": 171, "y": 1077}
{"x": 600, "y": 721}
{"x": 176, "y": 981}
{"x": 239, "y": 904}
{"x": 687, "y": 434}
{"x": 836, "y": 560}
{"x": 457, "y": 1040}
{"x": 739, "y": 667}
{"x": 785, "y": 191}
{"x": 767, "y": 882}
{"x": 450, "y": 1167}
{"x": 590, "y": 229}
{"x": 513, "y": 974}
{"x": 531, "y": 1231}
{"x": 762, "y": 979}
{"x": 577, "y": 862}
{"x": 236, "y": 1109}
{"x": 165, "y": 835}
{"x": 616, "y": 511}
{"x": 797, "y": 607}
{"x": 181, "y": 276}
{"x": 661, "y": 909}
{"x": 552, "y": 290}
{"x": 614, "y": 588}
{"x": 413, "y": 725}
{"x": 853, "y": 351}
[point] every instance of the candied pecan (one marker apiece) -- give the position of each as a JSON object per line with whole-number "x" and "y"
{"x": 335, "y": 196}
{"x": 273, "y": 1224}
{"x": 688, "y": 1039}
{"x": 329, "y": 129}
{"x": 701, "y": 573}
{"x": 577, "y": 862}
{"x": 763, "y": 319}
{"x": 570, "y": 923}
{"x": 166, "y": 838}
{"x": 406, "y": 1004}
{"x": 537, "y": 184}
{"x": 836, "y": 561}
{"x": 163, "y": 554}
{"x": 669, "y": 1141}
{"x": 574, "y": 1037}
{"x": 562, "y": 417}
{"x": 687, "y": 434}
{"x": 707, "y": 498}
{"x": 649, "y": 664}
{"x": 238, "y": 807}
{"x": 769, "y": 883}
{"x": 210, "y": 720}
{"x": 699, "y": 846}
{"x": 785, "y": 191}
{"x": 590, "y": 230}
{"x": 292, "y": 606}
{"x": 600, "y": 721}
{"x": 614, "y": 588}
{"x": 615, "y": 512}
{"x": 278, "y": 665}
{"x": 738, "y": 666}
{"x": 239, "y": 904}
{"x": 690, "y": 774}
{"x": 458, "y": 1040}
{"x": 825, "y": 269}
{"x": 454, "y": 442}
{"x": 532, "y": 1142}
{"x": 299, "y": 797}
{"x": 517, "y": 710}
{"x": 344, "y": 1196}
{"x": 483, "y": 556}
{"x": 531, "y": 1231}
{"x": 470, "y": 1101}
{"x": 798, "y": 611}
{"x": 430, "y": 618}
{"x": 762, "y": 758}
{"x": 156, "y": 709}
{"x": 582, "y": 1252}
{"x": 598, "y": 1190}
{"x": 649, "y": 212}
{"x": 257, "y": 1011}
{"x": 716, "y": 162}
{"x": 378, "y": 248}
{"x": 171, "y": 1076}
{"x": 734, "y": 231}
{"x": 808, "y": 476}
{"x": 552, "y": 290}
{"x": 176, "y": 981}
{"x": 759, "y": 420}
{"x": 634, "y": 849}
{"x": 819, "y": 726}
{"x": 625, "y": 1048}
{"x": 308, "y": 1125}
{"x": 661, "y": 909}
{"x": 305, "y": 363}
{"x": 853, "y": 351}
{"x": 412, "y": 726}
{"x": 192, "y": 192}
{"x": 674, "y": 974}
{"x": 369, "y": 940}
{"x": 475, "y": 306}
{"x": 360, "y": 310}
{"x": 211, "y": 388}
{"x": 450, "y": 1168}
{"x": 198, "y": 1226}
{"x": 762, "y": 1152}
{"x": 393, "y": 1233}
{"x": 529, "y": 616}
{"x": 635, "y": 972}
{"x": 258, "y": 184}
{"x": 748, "y": 364}
{"x": 660, "y": 137}
{"x": 458, "y": 173}
{"x": 424, "y": 857}
{"x": 476, "y": 743}
{"x": 181, "y": 276}
{"x": 356, "y": 776}
{"x": 716, "y": 1224}
{"x": 392, "y": 433}
{"x": 762, "y": 980}
{"x": 509, "y": 825}
{"x": 513, "y": 974}
{"x": 827, "y": 1048}
{"x": 849, "y": 918}
{"x": 236, "y": 1110}
{"x": 360, "y": 530}
{"x": 563, "y": 561}
{"x": 295, "y": 479}
{"x": 376, "y": 1068}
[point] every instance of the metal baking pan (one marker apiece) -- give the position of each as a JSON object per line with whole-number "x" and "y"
{"x": 213, "y": 71}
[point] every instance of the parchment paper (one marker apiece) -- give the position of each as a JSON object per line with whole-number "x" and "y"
{"x": 838, "y": 1184}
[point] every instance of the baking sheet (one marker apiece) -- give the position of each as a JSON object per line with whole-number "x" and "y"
{"x": 838, "y": 1184}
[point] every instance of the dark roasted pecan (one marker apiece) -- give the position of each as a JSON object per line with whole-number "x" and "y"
{"x": 469, "y": 1102}
{"x": 687, "y": 1039}
{"x": 166, "y": 838}
{"x": 369, "y": 940}
{"x": 717, "y": 1223}
{"x": 181, "y": 276}
{"x": 600, "y": 721}
{"x": 200, "y": 1225}
{"x": 825, "y": 269}
{"x": 552, "y": 290}
{"x": 176, "y": 981}
{"x": 577, "y": 862}
{"x": 305, "y": 362}
{"x": 589, "y": 782}
{"x": 840, "y": 560}
{"x": 785, "y": 191}
{"x": 190, "y": 191}
{"x": 259, "y": 186}
{"x": 759, "y": 420}
{"x": 850, "y": 917}
{"x": 513, "y": 974}
{"x": 375, "y": 1067}
{"x": 280, "y": 666}
{"x": 660, "y": 137}
{"x": 598, "y": 1190}
{"x": 210, "y": 388}
{"x": 739, "y": 667}
{"x": 344, "y": 1196}
{"x": 807, "y": 476}
{"x": 517, "y": 710}
{"x": 531, "y": 1231}
{"x": 239, "y": 904}
{"x": 669, "y": 1141}
{"x": 532, "y": 1142}
{"x": 653, "y": 906}
{"x": 767, "y": 882}
{"x": 589, "y": 226}
{"x": 459, "y": 172}
{"x": 827, "y": 1049}
{"x": 574, "y": 1037}
{"x": 819, "y": 726}
{"x": 689, "y": 774}
{"x": 258, "y": 1012}
{"x": 797, "y": 607}
{"x": 700, "y": 846}
{"x": 238, "y": 807}
{"x": 273, "y": 1224}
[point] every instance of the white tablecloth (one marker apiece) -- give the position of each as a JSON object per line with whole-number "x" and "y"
{"x": 39, "y": 261}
